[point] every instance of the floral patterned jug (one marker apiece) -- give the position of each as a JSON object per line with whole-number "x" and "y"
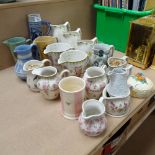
{"x": 95, "y": 81}
{"x": 92, "y": 120}
{"x": 48, "y": 81}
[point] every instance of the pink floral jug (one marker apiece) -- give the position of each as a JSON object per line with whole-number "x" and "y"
{"x": 96, "y": 81}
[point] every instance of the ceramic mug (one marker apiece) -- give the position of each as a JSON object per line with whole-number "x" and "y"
{"x": 72, "y": 93}
{"x": 42, "y": 42}
{"x": 37, "y": 25}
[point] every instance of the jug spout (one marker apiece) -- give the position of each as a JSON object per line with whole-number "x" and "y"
{"x": 6, "y": 42}
{"x": 92, "y": 109}
{"x": 61, "y": 60}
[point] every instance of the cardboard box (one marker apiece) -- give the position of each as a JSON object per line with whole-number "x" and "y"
{"x": 141, "y": 43}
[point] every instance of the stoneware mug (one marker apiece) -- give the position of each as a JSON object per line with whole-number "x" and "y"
{"x": 72, "y": 93}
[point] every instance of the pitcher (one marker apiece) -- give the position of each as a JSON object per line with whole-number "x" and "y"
{"x": 118, "y": 81}
{"x": 96, "y": 80}
{"x": 13, "y": 42}
{"x": 31, "y": 79}
{"x": 92, "y": 120}
{"x": 42, "y": 42}
{"x": 58, "y": 30}
{"x": 48, "y": 81}
{"x": 72, "y": 37}
{"x": 24, "y": 54}
{"x": 87, "y": 47}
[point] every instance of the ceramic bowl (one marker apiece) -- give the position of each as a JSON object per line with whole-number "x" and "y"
{"x": 140, "y": 88}
{"x": 115, "y": 106}
{"x": 75, "y": 61}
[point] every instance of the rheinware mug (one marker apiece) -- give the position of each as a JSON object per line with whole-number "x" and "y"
{"x": 72, "y": 93}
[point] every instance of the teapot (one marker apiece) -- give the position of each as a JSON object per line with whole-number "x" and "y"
{"x": 118, "y": 81}
{"x": 96, "y": 81}
{"x": 48, "y": 81}
{"x": 92, "y": 120}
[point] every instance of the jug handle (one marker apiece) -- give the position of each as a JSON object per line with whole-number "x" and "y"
{"x": 67, "y": 24}
{"x": 46, "y": 62}
{"x": 35, "y": 51}
{"x": 62, "y": 74}
{"x": 129, "y": 69}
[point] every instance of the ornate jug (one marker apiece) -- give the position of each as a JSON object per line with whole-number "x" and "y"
{"x": 87, "y": 47}
{"x": 92, "y": 121}
{"x": 96, "y": 80}
{"x": 24, "y": 53}
{"x": 48, "y": 81}
{"x": 31, "y": 79}
{"x": 118, "y": 81}
{"x": 58, "y": 30}
{"x": 72, "y": 37}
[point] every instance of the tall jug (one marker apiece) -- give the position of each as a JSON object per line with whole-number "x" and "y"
{"x": 24, "y": 54}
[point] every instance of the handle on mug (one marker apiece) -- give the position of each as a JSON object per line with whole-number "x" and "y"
{"x": 35, "y": 51}
{"x": 48, "y": 27}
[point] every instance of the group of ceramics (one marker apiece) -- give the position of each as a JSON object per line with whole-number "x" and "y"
{"x": 84, "y": 73}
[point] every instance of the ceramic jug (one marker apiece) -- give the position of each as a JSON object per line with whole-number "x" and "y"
{"x": 92, "y": 120}
{"x": 58, "y": 30}
{"x": 54, "y": 50}
{"x": 42, "y": 42}
{"x": 115, "y": 62}
{"x": 102, "y": 52}
{"x": 37, "y": 26}
{"x": 24, "y": 53}
{"x": 96, "y": 81}
{"x": 118, "y": 81}
{"x": 31, "y": 79}
{"x": 87, "y": 47}
{"x": 13, "y": 42}
{"x": 48, "y": 81}
{"x": 115, "y": 106}
{"x": 75, "y": 61}
{"x": 72, "y": 37}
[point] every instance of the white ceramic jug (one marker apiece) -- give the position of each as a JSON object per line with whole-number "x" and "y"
{"x": 58, "y": 30}
{"x": 96, "y": 81}
{"x": 48, "y": 81}
{"x": 31, "y": 79}
{"x": 92, "y": 121}
{"x": 118, "y": 81}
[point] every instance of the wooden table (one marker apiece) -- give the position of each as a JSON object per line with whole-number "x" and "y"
{"x": 31, "y": 125}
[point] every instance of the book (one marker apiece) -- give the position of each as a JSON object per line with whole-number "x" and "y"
{"x": 135, "y": 5}
{"x": 130, "y": 4}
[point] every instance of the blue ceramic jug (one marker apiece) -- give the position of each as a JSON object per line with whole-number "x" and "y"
{"x": 24, "y": 53}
